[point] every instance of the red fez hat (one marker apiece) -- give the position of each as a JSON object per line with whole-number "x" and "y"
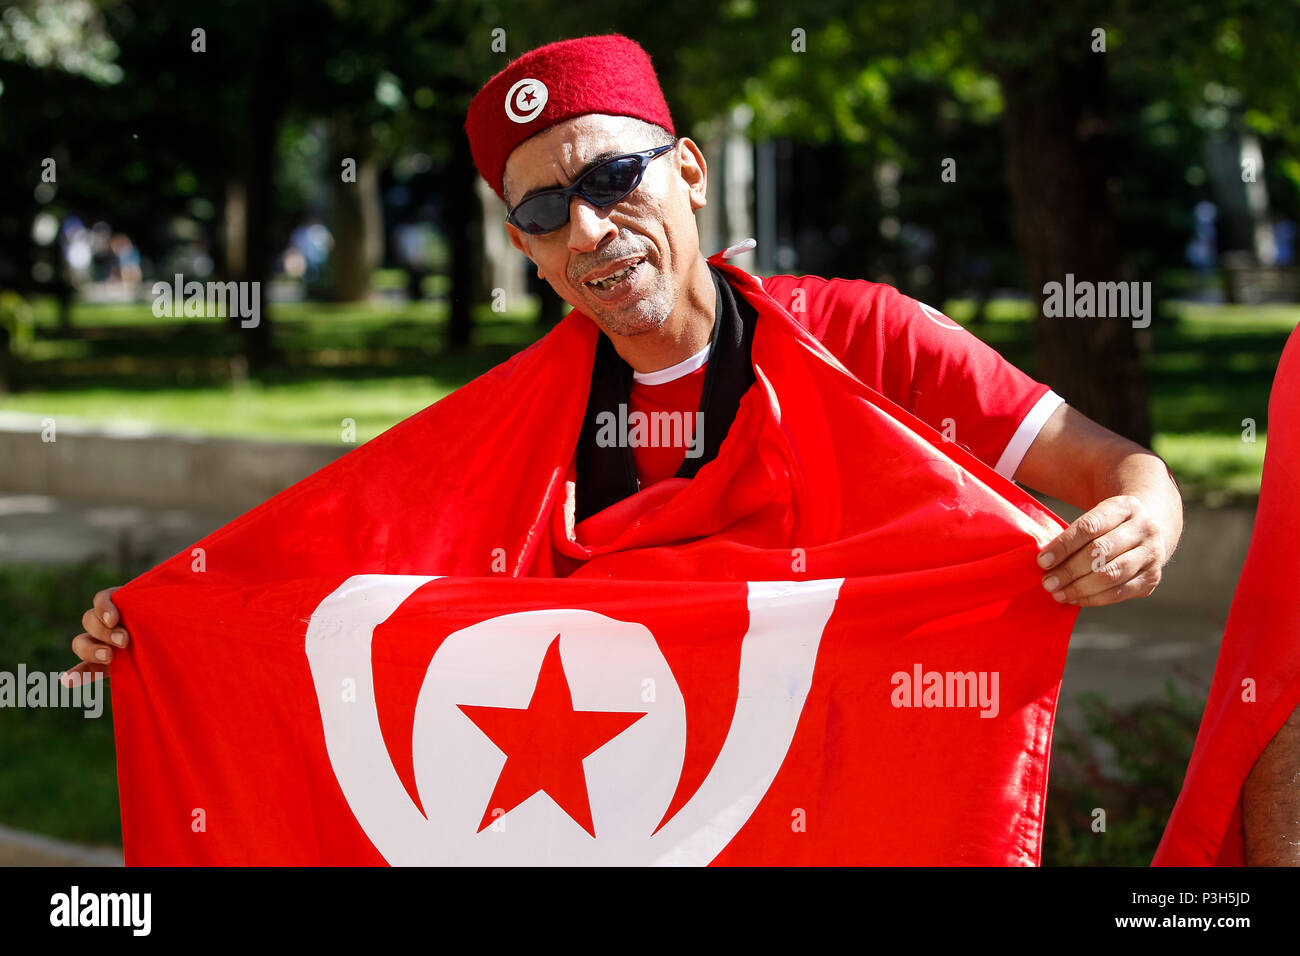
{"x": 604, "y": 74}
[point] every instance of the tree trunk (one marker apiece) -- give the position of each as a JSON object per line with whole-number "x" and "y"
{"x": 64, "y": 293}
{"x": 234, "y": 216}
{"x": 5, "y": 360}
{"x": 269, "y": 93}
{"x": 464, "y": 225}
{"x": 358, "y": 214}
{"x": 1057, "y": 165}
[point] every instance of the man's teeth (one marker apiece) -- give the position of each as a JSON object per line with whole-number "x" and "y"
{"x": 612, "y": 280}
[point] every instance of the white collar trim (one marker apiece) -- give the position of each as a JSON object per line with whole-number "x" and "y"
{"x": 674, "y": 372}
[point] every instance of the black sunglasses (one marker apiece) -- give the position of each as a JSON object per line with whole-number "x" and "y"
{"x": 601, "y": 185}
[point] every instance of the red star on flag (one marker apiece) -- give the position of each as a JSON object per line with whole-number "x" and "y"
{"x": 546, "y": 743}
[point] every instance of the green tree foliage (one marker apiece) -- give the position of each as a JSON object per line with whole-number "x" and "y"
{"x": 1087, "y": 138}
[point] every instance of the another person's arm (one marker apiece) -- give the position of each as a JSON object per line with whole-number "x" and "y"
{"x": 1270, "y": 801}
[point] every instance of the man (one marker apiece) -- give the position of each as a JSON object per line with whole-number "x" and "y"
{"x": 599, "y": 98}
{"x": 577, "y": 139}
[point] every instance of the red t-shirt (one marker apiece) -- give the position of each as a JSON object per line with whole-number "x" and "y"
{"x": 920, "y": 359}
{"x": 911, "y": 353}
{"x": 680, "y": 393}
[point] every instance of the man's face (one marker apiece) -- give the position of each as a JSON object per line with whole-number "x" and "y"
{"x": 653, "y": 227}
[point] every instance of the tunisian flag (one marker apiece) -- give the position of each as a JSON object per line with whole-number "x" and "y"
{"x": 1256, "y": 682}
{"x": 830, "y": 646}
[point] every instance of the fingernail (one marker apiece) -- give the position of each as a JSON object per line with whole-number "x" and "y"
{"x": 108, "y": 622}
{"x": 1051, "y": 583}
{"x": 1059, "y": 596}
{"x": 119, "y": 638}
{"x": 101, "y": 655}
{"x": 1045, "y": 559}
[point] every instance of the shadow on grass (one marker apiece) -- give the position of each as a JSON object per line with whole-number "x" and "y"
{"x": 192, "y": 355}
{"x": 1203, "y": 376}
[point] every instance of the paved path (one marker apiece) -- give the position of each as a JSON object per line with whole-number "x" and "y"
{"x": 40, "y": 529}
{"x": 19, "y": 848}
{"x": 1128, "y": 652}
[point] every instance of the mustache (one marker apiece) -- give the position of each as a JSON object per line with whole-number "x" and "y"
{"x": 609, "y": 257}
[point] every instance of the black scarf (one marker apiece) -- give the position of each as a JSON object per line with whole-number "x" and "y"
{"x": 607, "y": 475}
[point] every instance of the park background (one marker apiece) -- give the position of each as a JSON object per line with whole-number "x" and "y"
{"x": 1116, "y": 142}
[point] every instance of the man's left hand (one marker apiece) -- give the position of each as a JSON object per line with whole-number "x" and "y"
{"x": 1109, "y": 554}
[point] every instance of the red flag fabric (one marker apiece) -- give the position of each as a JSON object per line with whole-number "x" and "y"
{"x": 830, "y": 646}
{"x": 1256, "y": 683}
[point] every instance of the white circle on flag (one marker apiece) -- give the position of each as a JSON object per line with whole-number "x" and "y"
{"x": 630, "y": 780}
{"x": 607, "y": 665}
{"x": 526, "y": 99}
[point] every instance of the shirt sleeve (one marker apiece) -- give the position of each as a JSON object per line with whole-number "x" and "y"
{"x": 920, "y": 359}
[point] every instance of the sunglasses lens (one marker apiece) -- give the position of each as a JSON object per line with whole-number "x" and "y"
{"x": 611, "y": 182}
{"x": 542, "y": 213}
{"x": 603, "y": 186}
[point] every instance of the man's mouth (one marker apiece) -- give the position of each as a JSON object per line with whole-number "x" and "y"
{"x": 614, "y": 278}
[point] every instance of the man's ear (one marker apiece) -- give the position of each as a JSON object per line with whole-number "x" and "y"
{"x": 518, "y": 239}
{"x": 694, "y": 171}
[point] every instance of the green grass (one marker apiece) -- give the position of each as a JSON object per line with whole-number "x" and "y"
{"x": 302, "y": 411}
{"x": 1208, "y": 370}
{"x": 379, "y": 363}
{"x": 58, "y": 770}
{"x": 373, "y": 363}
{"x": 1214, "y": 468}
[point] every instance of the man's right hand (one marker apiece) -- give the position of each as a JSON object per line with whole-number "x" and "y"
{"x": 101, "y": 639}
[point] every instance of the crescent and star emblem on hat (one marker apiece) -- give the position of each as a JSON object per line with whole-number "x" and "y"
{"x": 526, "y": 100}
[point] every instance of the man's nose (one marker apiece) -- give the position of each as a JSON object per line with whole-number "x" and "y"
{"x": 588, "y": 227}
